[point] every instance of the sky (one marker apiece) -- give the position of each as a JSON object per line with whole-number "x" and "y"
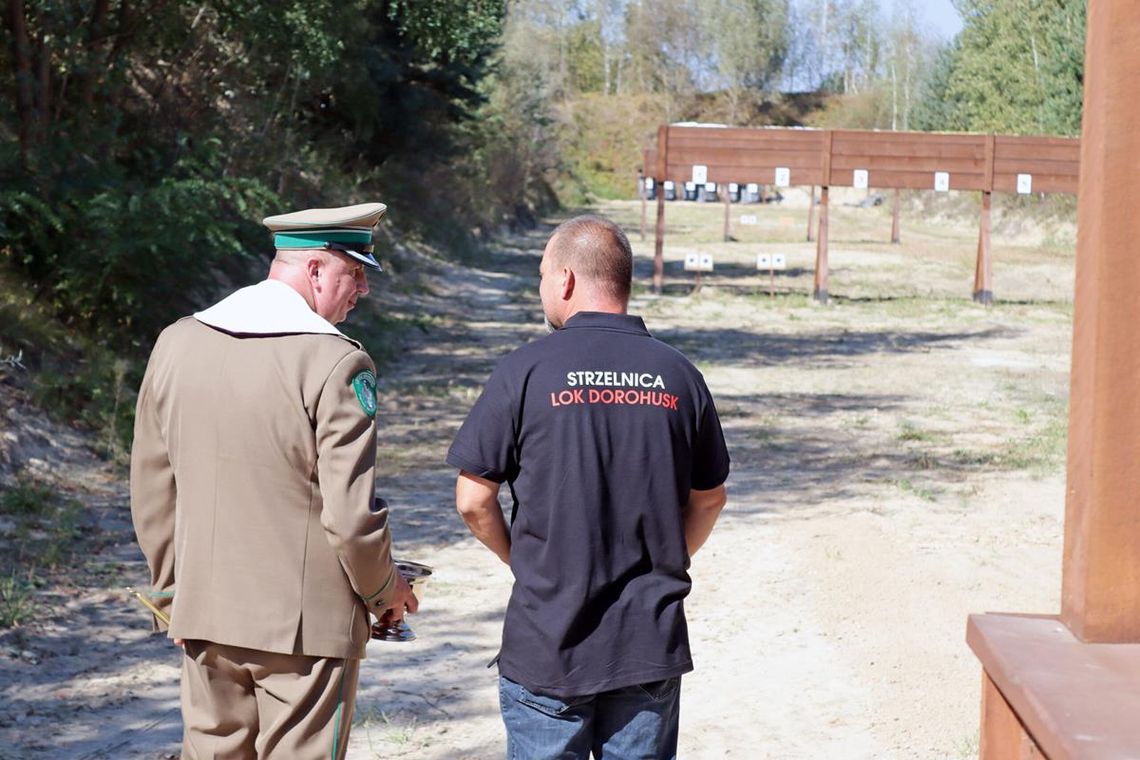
{"x": 940, "y": 17}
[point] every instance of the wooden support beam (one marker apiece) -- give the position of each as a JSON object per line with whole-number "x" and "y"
{"x": 895, "y": 239}
{"x": 1100, "y": 589}
{"x": 819, "y": 291}
{"x": 644, "y": 203}
{"x": 983, "y": 269}
{"x": 727, "y": 212}
{"x": 659, "y": 240}
{"x": 1002, "y": 736}
{"x": 811, "y": 216}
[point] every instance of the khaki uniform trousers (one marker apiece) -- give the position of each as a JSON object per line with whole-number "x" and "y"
{"x": 241, "y": 704}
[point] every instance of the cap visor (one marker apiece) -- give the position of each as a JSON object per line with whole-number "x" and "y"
{"x": 364, "y": 258}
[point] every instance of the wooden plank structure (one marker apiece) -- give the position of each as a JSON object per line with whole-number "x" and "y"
{"x": 1068, "y": 686}
{"x": 861, "y": 158}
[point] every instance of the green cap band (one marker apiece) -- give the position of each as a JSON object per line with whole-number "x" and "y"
{"x": 317, "y": 238}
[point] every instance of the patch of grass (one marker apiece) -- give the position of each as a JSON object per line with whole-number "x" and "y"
{"x": 394, "y": 732}
{"x": 1040, "y": 451}
{"x": 923, "y": 460}
{"x": 967, "y": 746}
{"x": 17, "y": 601}
{"x": 909, "y": 432}
{"x": 969, "y": 457}
{"x": 97, "y": 392}
{"x": 922, "y": 492}
{"x": 26, "y": 498}
{"x": 42, "y": 526}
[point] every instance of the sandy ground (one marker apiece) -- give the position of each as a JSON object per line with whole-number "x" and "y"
{"x": 897, "y": 465}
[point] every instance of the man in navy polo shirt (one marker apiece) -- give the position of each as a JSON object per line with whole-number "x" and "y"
{"x": 613, "y": 451}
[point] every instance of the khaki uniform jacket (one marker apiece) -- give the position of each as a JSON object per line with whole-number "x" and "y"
{"x": 252, "y": 487}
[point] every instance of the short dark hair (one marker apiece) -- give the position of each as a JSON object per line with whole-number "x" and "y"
{"x": 596, "y": 249}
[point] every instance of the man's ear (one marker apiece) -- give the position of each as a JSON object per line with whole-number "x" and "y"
{"x": 313, "y": 267}
{"x": 566, "y": 280}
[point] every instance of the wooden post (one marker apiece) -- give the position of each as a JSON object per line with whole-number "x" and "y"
{"x": 659, "y": 241}
{"x": 641, "y": 192}
{"x": 1100, "y": 595}
{"x": 1002, "y": 736}
{"x": 820, "y": 291}
{"x": 983, "y": 269}
{"x": 811, "y": 216}
{"x": 727, "y": 213}
{"x": 820, "y": 288}
{"x": 895, "y": 239}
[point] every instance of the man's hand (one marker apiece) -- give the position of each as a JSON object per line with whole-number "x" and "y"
{"x": 403, "y": 600}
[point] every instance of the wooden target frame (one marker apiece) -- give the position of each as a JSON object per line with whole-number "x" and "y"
{"x": 859, "y": 158}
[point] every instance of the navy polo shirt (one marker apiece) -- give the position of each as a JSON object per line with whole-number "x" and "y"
{"x": 600, "y": 430}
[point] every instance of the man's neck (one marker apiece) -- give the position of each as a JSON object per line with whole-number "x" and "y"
{"x": 294, "y": 278}
{"x": 606, "y": 306}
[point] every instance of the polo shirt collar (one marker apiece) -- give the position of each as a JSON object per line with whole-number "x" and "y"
{"x": 621, "y": 322}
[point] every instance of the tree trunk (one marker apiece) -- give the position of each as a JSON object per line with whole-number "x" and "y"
{"x": 22, "y": 65}
{"x": 43, "y": 90}
{"x": 92, "y": 60}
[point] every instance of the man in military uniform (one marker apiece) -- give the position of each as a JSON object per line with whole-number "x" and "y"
{"x": 613, "y": 450}
{"x": 252, "y": 494}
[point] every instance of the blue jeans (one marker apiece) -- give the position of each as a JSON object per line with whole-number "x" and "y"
{"x": 632, "y": 723}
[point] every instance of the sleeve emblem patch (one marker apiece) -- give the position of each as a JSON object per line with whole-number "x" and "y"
{"x": 364, "y": 383}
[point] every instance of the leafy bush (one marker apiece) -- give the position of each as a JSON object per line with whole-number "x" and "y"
{"x": 121, "y": 257}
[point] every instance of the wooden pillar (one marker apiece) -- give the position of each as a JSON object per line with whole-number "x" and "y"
{"x": 820, "y": 290}
{"x": 895, "y": 239}
{"x": 983, "y": 269}
{"x": 659, "y": 240}
{"x": 727, "y": 212}
{"x": 641, "y": 192}
{"x": 1100, "y": 588}
{"x": 1002, "y": 736}
{"x": 811, "y": 216}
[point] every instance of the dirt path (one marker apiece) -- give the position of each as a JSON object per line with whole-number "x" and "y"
{"x": 897, "y": 465}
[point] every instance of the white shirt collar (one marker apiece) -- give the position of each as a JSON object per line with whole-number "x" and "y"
{"x": 268, "y": 308}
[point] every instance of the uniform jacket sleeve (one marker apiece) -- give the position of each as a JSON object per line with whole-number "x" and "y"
{"x": 355, "y": 523}
{"x": 153, "y": 496}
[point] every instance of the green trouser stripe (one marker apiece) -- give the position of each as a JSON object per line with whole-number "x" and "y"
{"x": 317, "y": 239}
{"x": 339, "y": 706}
{"x": 161, "y": 594}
